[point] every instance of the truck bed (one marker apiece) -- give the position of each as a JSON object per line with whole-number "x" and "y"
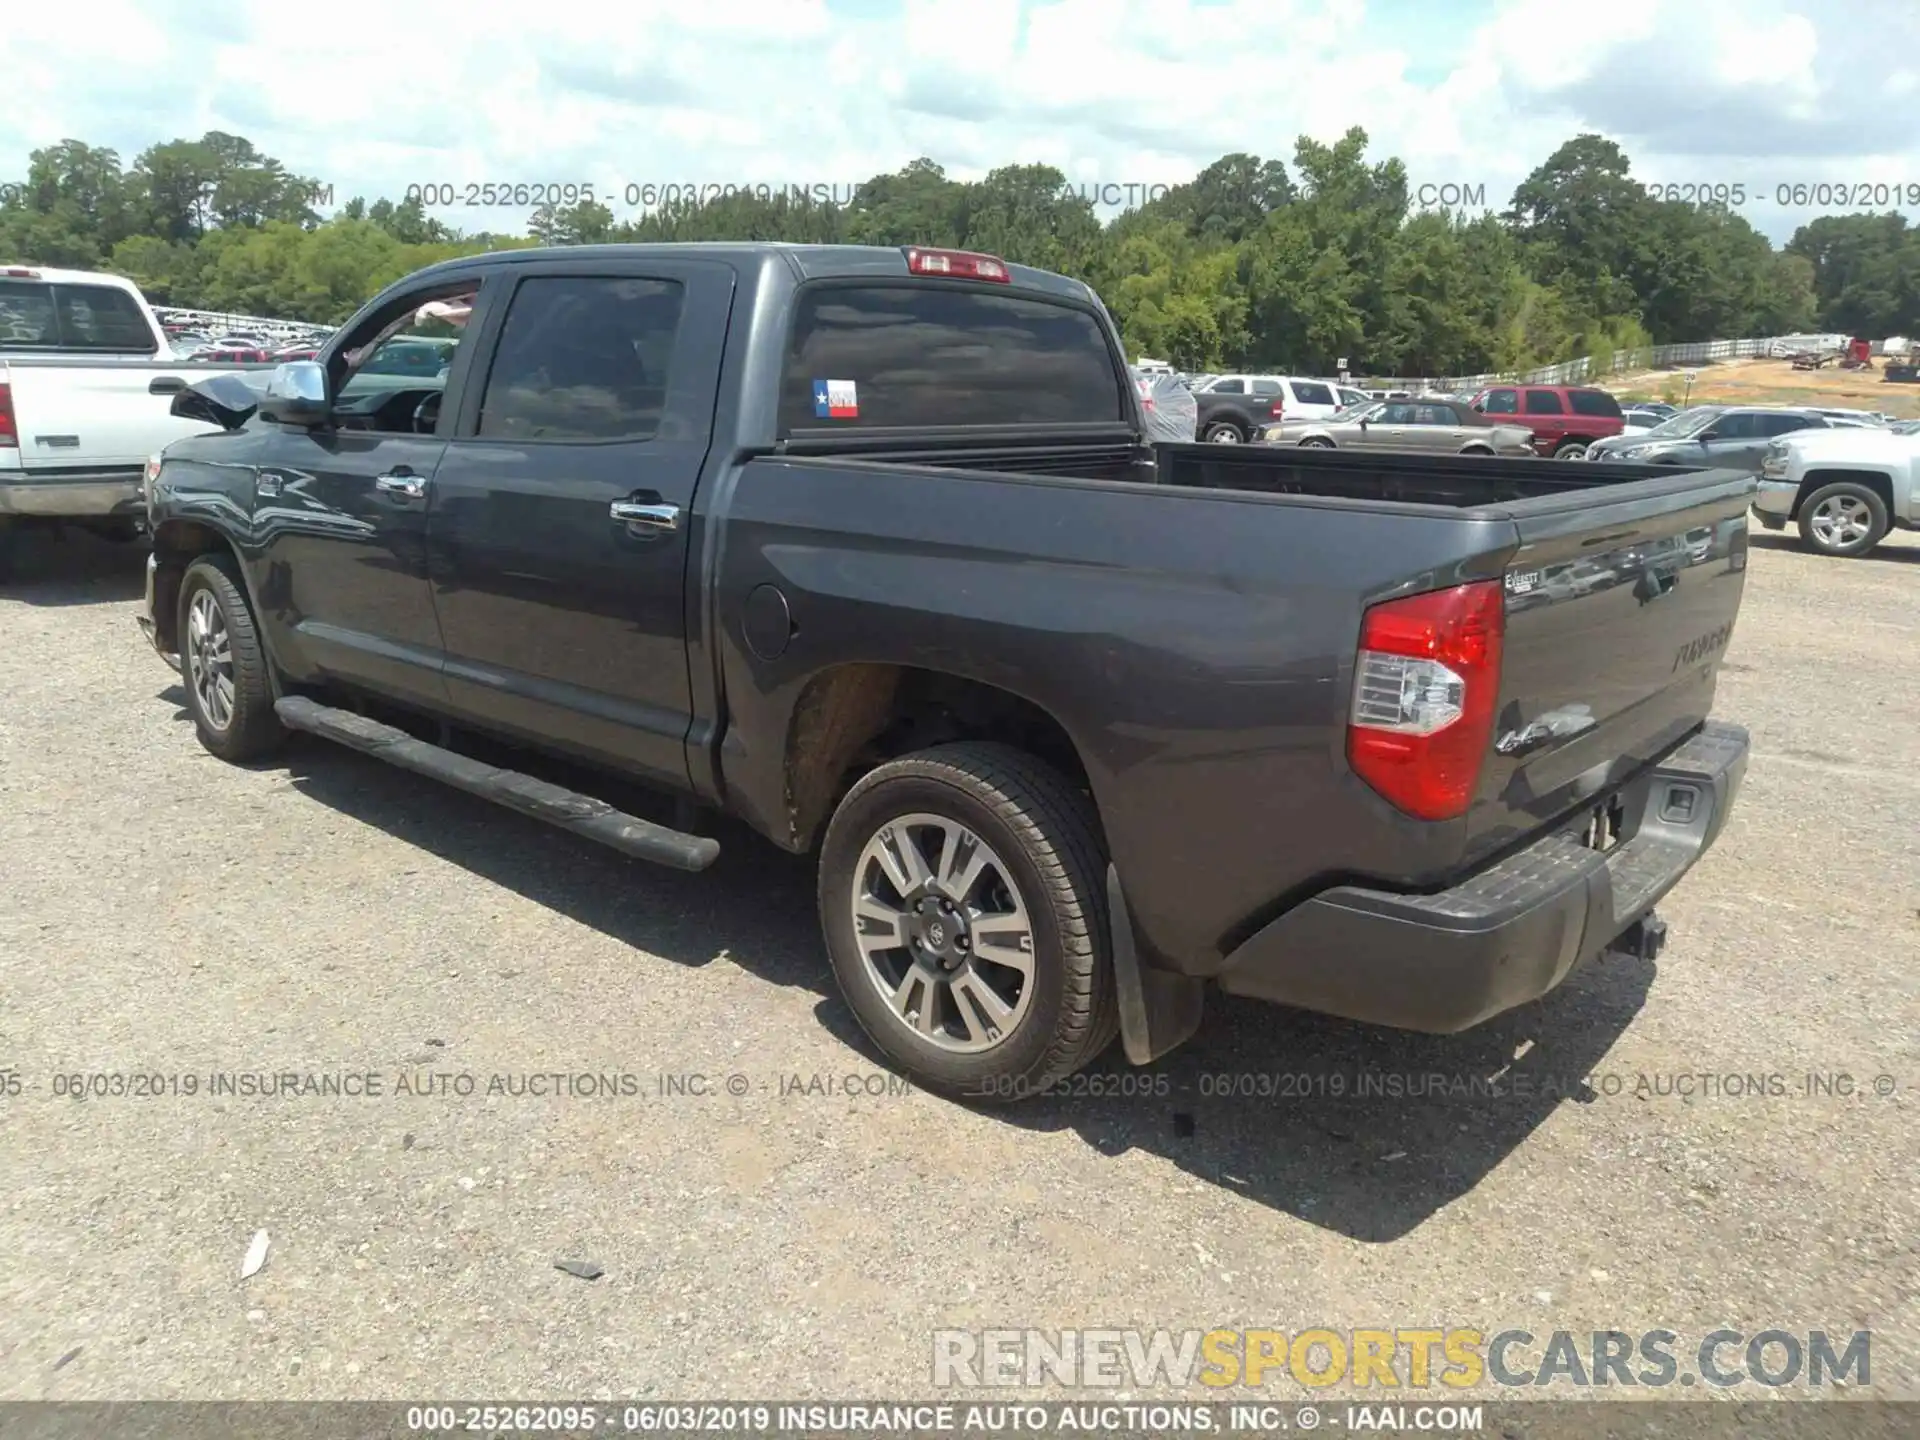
{"x": 1457, "y": 481}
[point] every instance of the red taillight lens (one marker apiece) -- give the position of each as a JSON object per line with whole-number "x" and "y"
{"x": 957, "y": 264}
{"x": 1425, "y": 687}
{"x": 9, "y": 433}
{"x": 1277, "y": 409}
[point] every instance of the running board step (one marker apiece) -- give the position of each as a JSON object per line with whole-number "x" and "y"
{"x": 582, "y": 814}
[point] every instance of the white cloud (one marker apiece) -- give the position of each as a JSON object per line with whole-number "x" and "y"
{"x": 374, "y": 97}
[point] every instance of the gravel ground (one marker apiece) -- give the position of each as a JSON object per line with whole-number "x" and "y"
{"x": 165, "y": 914}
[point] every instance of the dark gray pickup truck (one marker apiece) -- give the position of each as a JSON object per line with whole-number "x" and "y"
{"x": 864, "y": 547}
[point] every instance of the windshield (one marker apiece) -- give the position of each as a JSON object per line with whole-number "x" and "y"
{"x": 1687, "y": 422}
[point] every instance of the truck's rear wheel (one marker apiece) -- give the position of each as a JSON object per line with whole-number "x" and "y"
{"x": 961, "y": 895}
{"x": 229, "y": 690}
{"x": 1223, "y": 432}
{"x": 1843, "y": 519}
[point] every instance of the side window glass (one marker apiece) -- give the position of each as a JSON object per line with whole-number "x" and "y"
{"x": 583, "y": 358}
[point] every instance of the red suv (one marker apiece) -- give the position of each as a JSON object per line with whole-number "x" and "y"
{"x": 1565, "y": 419}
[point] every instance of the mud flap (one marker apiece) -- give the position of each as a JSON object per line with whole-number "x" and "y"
{"x": 1159, "y": 1010}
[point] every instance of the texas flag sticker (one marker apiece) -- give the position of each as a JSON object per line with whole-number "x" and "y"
{"x": 835, "y": 400}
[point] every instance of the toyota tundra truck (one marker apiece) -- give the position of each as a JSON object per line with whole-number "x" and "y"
{"x": 868, "y": 548}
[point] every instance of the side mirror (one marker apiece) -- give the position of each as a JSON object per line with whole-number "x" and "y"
{"x": 1706, "y": 435}
{"x": 297, "y": 395}
{"x": 1480, "y": 408}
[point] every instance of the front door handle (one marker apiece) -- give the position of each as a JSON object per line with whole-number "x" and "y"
{"x": 636, "y": 513}
{"x": 413, "y": 487}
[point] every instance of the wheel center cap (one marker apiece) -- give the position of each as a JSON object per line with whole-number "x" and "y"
{"x": 942, "y": 932}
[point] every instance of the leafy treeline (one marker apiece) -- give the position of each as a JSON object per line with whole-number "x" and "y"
{"x": 1251, "y": 263}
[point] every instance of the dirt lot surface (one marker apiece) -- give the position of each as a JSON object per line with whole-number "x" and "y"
{"x": 1775, "y": 382}
{"x": 165, "y": 915}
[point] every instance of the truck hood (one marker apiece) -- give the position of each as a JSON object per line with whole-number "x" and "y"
{"x": 227, "y": 400}
{"x": 1853, "y": 440}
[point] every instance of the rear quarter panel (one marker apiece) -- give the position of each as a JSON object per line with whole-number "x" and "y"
{"x": 1196, "y": 646}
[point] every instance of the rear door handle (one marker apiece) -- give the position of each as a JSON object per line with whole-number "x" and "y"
{"x": 166, "y": 385}
{"x": 637, "y": 514}
{"x": 413, "y": 487}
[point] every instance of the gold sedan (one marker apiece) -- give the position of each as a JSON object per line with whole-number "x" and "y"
{"x": 1432, "y": 427}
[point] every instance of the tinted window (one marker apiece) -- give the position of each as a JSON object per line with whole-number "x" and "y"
{"x": 1432, "y": 415}
{"x": 1502, "y": 402}
{"x": 1267, "y": 387}
{"x": 72, "y": 317}
{"x": 99, "y": 317}
{"x": 1308, "y": 393}
{"x": 26, "y": 316}
{"x": 1594, "y": 402}
{"x": 1736, "y": 425}
{"x": 1227, "y": 387}
{"x": 1787, "y": 424}
{"x": 923, "y": 355}
{"x": 1543, "y": 402}
{"x": 583, "y": 359}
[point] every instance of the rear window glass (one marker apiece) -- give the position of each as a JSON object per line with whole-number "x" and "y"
{"x": 1308, "y": 393}
{"x": 1594, "y": 402}
{"x": 1543, "y": 402}
{"x": 35, "y": 315}
{"x": 917, "y": 355}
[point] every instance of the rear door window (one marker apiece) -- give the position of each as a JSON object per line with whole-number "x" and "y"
{"x": 1543, "y": 402}
{"x": 583, "y": 358}
{"x": 917, "y": 355}
{"x": 35, "y": 315}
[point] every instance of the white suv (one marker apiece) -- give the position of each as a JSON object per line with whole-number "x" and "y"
{"x": 1290, "y": 397}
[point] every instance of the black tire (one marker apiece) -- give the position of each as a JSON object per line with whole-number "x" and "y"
{"x": 1316, "y": 442}
{"x": 9, "y": 546}
{"x": 1224, "y": 432}
{"x": 251, "y": 730}
{"x": 1044, "y": 830}
{"x": 1571, "y": 450}
{"x": 1815, "y": 507}
{"x": 1479, "y": 452}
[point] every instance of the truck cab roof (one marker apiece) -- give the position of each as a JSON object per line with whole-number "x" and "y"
{"x": 807, "y": 262}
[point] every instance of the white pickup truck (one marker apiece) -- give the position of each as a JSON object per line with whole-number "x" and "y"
{"x": 86, "y": 382}
{"x": 1844, "y": 488}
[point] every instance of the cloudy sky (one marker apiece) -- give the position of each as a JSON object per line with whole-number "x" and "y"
{"x": 631, "y": 95}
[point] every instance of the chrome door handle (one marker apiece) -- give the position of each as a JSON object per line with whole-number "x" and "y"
{"x": 411, "y": 486}
{"x": 651, "y": 517}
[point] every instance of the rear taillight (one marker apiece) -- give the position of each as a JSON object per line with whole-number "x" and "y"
{"x": 1277, "y": 409}
{"x": 9, "y": 432}
{"x": 957, "y": 264}
{"x": 1425, "y": 687}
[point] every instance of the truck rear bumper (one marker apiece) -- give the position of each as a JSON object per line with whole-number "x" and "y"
{"x": 76, "y": 496}
{"x": 1444, "y": 962}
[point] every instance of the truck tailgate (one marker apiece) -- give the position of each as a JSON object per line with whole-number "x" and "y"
{"x": 1619, "y": 606}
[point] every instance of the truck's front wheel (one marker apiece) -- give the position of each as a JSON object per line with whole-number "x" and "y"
{"x": 961, "y": 896}
{"x": 229, "y": 691}
{"x": 1843, "y": 519}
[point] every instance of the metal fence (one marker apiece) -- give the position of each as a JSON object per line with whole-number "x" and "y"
{"x": 1593, "y": 367}
{"x": 221, "y": 322}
